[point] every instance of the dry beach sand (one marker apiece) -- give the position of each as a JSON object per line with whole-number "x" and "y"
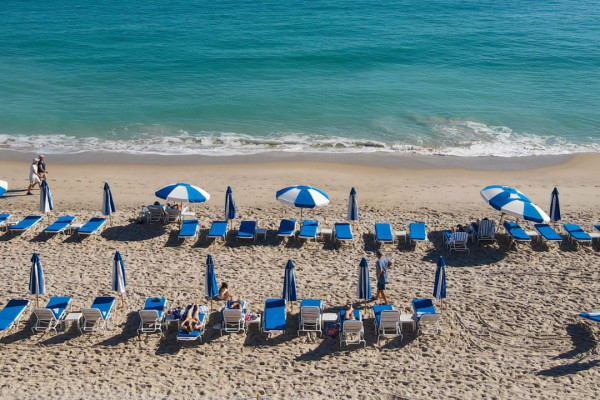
{"x": 509, "y": 322}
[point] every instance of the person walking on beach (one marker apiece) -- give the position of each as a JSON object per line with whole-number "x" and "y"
{"x": 34, "y": 177}
{"x": 42, "y": 171}
{"x": 382, "y": 265}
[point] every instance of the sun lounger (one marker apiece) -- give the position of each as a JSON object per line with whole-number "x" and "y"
{"x": 456, "y": 241}
{"x": 172, "y": 215}
{"x": 352, "y": 330}
{"x": 60, "y": 225}
{"x": 593, "y": 316}
{"x": 197, "y": 334}
{"x": 11, "y": 315}
{"x": 342, "y": 232}
{"x": 417, "y": 233}
{"x": 247, "y": 230}
{"x": 383, "y": 234}
{"x": 3, "y": 219}
{"x": 516, "y": 233}
{"x": 234, "y": 319}
{"x": 153, "y": 315}
{"x": 548, "y": 233}
{"x": 387, "y": 321}
{"x": 274, "y": 316}
{"x": 189, "y": 229}
{"x": 485, "y": 231}
{"x": 309, "y": 230}
{"x": 25, "y": 225}
{"x": 93, "y": 227}
{"x": 428, "y": 321}
{"x": 97, "y": 316}
{"x": 310, "y": 316}
{"x": 156, "y": 213}
{"x": 577, "y": 235}
{"x": 49, "y": 317}
{"x": 218, "y": 230}
{"x": 287, "y": 228}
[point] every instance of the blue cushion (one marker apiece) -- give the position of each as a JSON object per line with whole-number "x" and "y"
{"x": 547, "y": 232}
{"x": 423, "y": 306}
{"x": 378, "y": 309}
{"x": 92, "y": 225}
{"x": 188, "y": 228}
{"x": 11, "y": 312}
{"x": 218, "y": 229}
{"x": 4, "y": 217}
{"x": 417, "y": 231}
{"x": 287, "y": 227}
{"x": 274, "y": 315}
{"x": 58, "y": 305}
{"x": 104, "y": 304}
{"x": 60, "y": 224}
{"x": 309, "y": 228}
{"x": 156, "y": 303}
{"x": 515, "y": 231}
{"x": 595, "y": 317}
{"x": 383, "y": 232}
{"x": 356, "y": 313}
{"x": 311, "y": 303}
{"x": 576, "y": 231}
{"x": 247, "y": 229}
{"x": 26, "y": 223}
{"x": 597, "y": 227}
{"x": 343, "y": 231}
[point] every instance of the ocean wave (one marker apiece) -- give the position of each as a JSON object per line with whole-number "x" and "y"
{"x": 449, "y": 137}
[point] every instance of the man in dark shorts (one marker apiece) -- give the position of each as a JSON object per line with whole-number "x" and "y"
{"x": 382, "y": 265}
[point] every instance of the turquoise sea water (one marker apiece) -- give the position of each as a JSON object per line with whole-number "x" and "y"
{"x": 223, "y": 77}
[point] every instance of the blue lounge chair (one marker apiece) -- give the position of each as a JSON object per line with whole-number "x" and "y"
{"x": 97, "y": 316}
{"x": 387, "y": 321}
{"x": 25, "y": 225}
{"x": 383, "y": 233}
{"x": 3, "y": 219}
{"x": 548, "y": 233}
{"x": 60, "y": 225}
{"x": 425, "y": 316}
{"x": 310, "y": 316}
{"x": 153, "y": 315}
{"x": 49, "y": 317}
{"x": 309, "y": 230}
{"x": 93, "y": 227}
{"x": 516, "y": 233}
{"x": 593, "y": 316}
{"x": 11, "y": 315}
{"x": 218, "y": 230}
{"x": 234, "y": 319}
{"x": 274, "y": 316}
{"x": 577, "y": 235}
{"x": 189, "y": 229}
{"x": 597, "y": 234}
{"x": 417, "y": 233}
{"x": 197, "y": 334}
{"x": 342, "y": 232}
{"x": 352, "y": 331}
{"x": 287, "y": 228}
{"x": 247, "y": 230}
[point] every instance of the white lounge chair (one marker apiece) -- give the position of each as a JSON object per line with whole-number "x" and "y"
{"x": 352, "y": 331}
{"x": 387, "y": 321}
{"x": 153, "y": 315}
{"x": 484, "y": 231}
{"x": 50, "y": 317}
{"x": 428, "y": 321}
{"x": 234, "y": 319}
{"x": 97, "y": 316}
{"x": 156, "y": 213}
{"x": 310, "y": 316}
{"x": 456, "y": 241}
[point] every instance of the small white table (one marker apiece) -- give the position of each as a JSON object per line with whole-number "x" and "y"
{"x": 594, "y": 236}
{"x": 328, "y": 232}
{"x": 7, "y": 225}
{"x": 400, "y": 234}
{"x": 170, "y": 319}
{"x": 255, "y": 321}
{"x": 260, "y": 232}
{"x": 408, "y": 319}
{"x": 533, "y": 235}
{"x": 188, "y": 214}
{"x": 328, "y": 318}
{"x": 73, "y": 317}
{"x": 72, "y": 228}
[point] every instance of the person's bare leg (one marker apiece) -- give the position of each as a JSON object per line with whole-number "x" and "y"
{"x": 196, "y": 312}
{"x": 384, "y": 297}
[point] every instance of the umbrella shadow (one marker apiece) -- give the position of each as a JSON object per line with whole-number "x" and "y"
{"x": 133, "y": 232}
{"x": 128, "y": 331}
{"x": 569, "y": 369}
{"x": 478, "y": 255}
{"x": 14, "y": 193}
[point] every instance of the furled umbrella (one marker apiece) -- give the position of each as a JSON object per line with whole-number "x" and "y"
{"x": 301, "y": 196}
{"x": 45, "y": 198}
{"x": 37, "y": 284}
{"x": 554, "y": 207}
{"x": 352, "y": 207}
{"x": 118, "y": 276}
{"x": 439, "y": 285}
{"x": 230, "y": 209}
{"x": 108, "y": 205}
{"x": 363, "y": 290}
{"x": 3, "y": 187}
{"x": 211, "y": 288}
{"x": 289, "y": 284}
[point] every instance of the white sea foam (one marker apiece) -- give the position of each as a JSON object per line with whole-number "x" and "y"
{"x": 449, "y": 137}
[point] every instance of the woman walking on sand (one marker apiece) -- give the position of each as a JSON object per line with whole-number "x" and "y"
{"x": 34, "y": 177}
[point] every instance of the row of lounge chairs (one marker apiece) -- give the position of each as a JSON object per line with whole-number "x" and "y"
{"x": 62, "y": 225}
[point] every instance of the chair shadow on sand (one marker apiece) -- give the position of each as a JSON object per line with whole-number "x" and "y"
{"x": 126, "y": 331}
{"x": 133, "y": 232}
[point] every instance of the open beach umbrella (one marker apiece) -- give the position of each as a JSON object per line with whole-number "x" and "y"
{"x": 210, "y": 280}
{"x": 289, "y": 284}
{"x": 45, "y": 198}
{"x": 498, "y": 195}
{"x": 118, "y": 276}
{"x": 363, "y": 289}
{"x": 3, "y": 187}
{"x": 554, "y": 206}
{"x": 182, "y": 193}
{"x": 439, "y": 285}
{"x": 230, "y": 210}
{"x": 37, "y": 284}
{"x": 512, "y": 202}
{"x": 352, "y": 207}
{"x": 108, "y": 205}
{"x": 301, "y": 196}
{"x": 525, "y": 210}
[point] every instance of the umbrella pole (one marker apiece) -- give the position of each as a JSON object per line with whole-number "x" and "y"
{"x": 211, "y": 304}
{"x": 122, "y": 301}
{"x": 441, "y": 306}
{"x": 110, "y": 218}
{"x": 37, "y": 299}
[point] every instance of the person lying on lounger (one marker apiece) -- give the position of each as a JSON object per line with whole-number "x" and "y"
{"x": 191, "y": 321}
{"x": 237, "y": 304}
{"x": 349, "y": 314}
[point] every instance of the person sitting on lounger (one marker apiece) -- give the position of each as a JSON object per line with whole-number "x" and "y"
{"x": 224, "y": 293}
{"x": 349, "y": 314}
{"x": 191, "y": 321}
{"x": 236, "y": 304}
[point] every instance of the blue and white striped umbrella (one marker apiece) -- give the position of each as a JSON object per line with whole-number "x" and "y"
{"x": 554, "y": 206}
{"x": 3, "y": 187}
{"x": 302, "y": 197}
{"x": 230, "y": 210}
{"x": 363, "y": 289}
{"x": 37, "y": 284}
{"x": 497, "y": 196}
{"x": 525, "y": 210}
{"x": 118, "y": 274}
{"x": 45, "y": 198}
{"x": 439, "y": 285}
{"x": 352, "y": 206}
{"x": 289, "y": 283}
{"x": 108, "y": 205}
{"x": 182, "y": 193}
{"x": 210, "y": 279}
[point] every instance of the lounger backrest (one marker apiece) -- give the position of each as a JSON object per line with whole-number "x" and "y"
{"x": 27, "y": 222}
{"x": 390, "y": 317}
{"x": 383, "y": 229}
{"x": 172, "y": 215}
{"x": 218, "y": 228}
{"x": 189, "y": 227}
{"x": 352, "y": 326}
{"x": 148, "y": 315}
{"x": 487, "y": 228}
{"x": 309, "y": 228}
{"x": 460, "y": 236}
{"x": 310, "y": 313}
{"x": 92, "y": 314}
{"x": 343, "y": 229}
{"x": 232, "y": 315}
{"x": 287, "y": 226}
{"x": 429, "y": 318}
{"x": 4, "y": 217}
{"x": 44, "y": 314}
{"x": 247, "y": 227}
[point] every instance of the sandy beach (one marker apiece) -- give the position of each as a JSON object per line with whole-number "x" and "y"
{"x": 509, "y": 323}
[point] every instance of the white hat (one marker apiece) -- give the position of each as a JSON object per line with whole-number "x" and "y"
{"x": 36, "y": 159}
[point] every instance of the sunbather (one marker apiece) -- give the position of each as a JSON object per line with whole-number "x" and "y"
{"x": 349, "y": 314}
{"x": 191, "y": 321}
{"x": 224, "y": 293}
{"x": 237, "y": 304}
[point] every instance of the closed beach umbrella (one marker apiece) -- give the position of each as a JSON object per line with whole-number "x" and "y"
{"x": 439, "y": 285}
{"x": 108, "y": 205}
{"x": 3, "y": 187}
{"x": 210, "y": 280}
{"x": 289, "y": 284}
{"x": 554, "y": 206}
{"x": 230, "y": 210}
{"x": 37, "y": 284}
{"x": 352, "y": 207}
{"x": 363, "y": 290}
{"x": 182, "y": 193}
{"x": 118, "y": 276}
{"x": 45, "y": 198}
{"x": 301, "y": 196}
